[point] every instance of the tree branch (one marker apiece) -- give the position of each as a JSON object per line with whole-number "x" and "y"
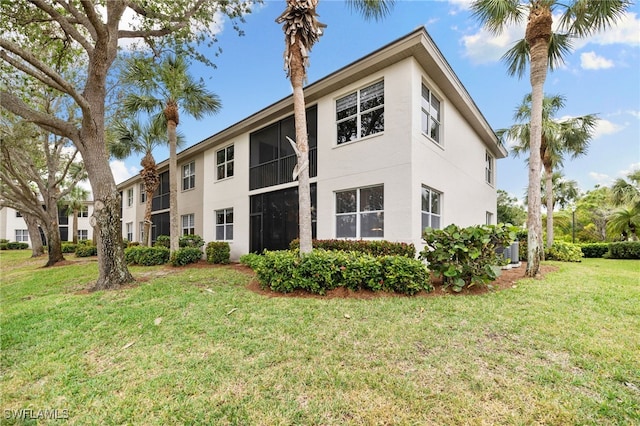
{"x": 81, "y": 19}
{"x": 66, "y": 26}
{"x": 96, "y": 23}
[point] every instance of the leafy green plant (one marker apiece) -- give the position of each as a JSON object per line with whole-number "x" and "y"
{"x": 4, "y": 246}
{"x": 218, "y": 252}
{"x": 147, "y": 256}
{"x": 522, "y": 236}
{"x": 185, "y": 256}
{"x": 564, "y": 252}
{"x": 624, "y": 250}
{"x": 163, "y": 241}
{"x": 83, "y": 250}
{"x": 374, "y": 247}
{"x": 192, "y": 240}
{"x": 252, "y": 260}
{"x": 404, "y": 275}
{"x": 464, "y": 257}
{"x": 69, "y": 247}
{"x": 594, "y": 250}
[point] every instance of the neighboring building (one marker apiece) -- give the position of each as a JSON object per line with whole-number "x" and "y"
{"x": 396, "y": 144}
{"x": 14, "y": 228}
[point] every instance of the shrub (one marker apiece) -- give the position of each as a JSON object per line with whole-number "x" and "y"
{"x": 374, "y": 248}
{"x": 146, "y": 256}
{"x": 564, "y": 252}
{"x": 3, "y": 241}
{"x": 83, "y": 250}
{"x": 466, "y": 256}
{"x": 4, "y": 246}
{"x": 185, "y": 255}
{"x": 323, "y": 270}
{"x": 252, "y": 260}
{"x": 218, "y": 252}
{"x": 594, "y": 249}
{"x": 132, "y": 244}
{"x": 69, "y": 247}
{"x": 191, "y": 241}
{"x": 163, "y": 241}
{"x": 624, "y": 250}
{"x": 522, "y": 237}
{"x": 17, "y": 246}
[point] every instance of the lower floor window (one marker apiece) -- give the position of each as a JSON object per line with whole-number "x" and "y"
{"x": 489, "y": 218}
{"x": 83, "y": 234}
{"x": 360, "y": 213}
{"x": 129, "y": 231}
{"x": 188, "y": 224}
{"x": 431, "y": 208}
{"x": 22, "y": 235}
{"x": 224, "y": 224}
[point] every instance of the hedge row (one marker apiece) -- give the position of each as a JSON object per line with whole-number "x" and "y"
{"x": 322, "y": 270}
{"x": 624, "y": 250}
{"x": 374, "y": 248}
{"x": 594, "y": 250}
{"x": 13, "y": 246}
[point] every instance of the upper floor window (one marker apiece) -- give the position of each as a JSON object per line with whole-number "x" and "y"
{"x": 224, "y": 224}
{"x": 224, "y": 162}
{"x": 189, "y": 176}
{"x": 22, "y": 235}
{"x": 361, "y": 113}
{"x": 188, "y": 224}
{"x": 84, "y": 211}
{"x": 431, "y": 115}
{"x": 488, "y": 168}
{"x": 129, "y": 197}
{"x": 83, "y": 234}
{"x": 360, "y": 213}
{"x": 143, "y": 194}
{"x": 431, "y": 208}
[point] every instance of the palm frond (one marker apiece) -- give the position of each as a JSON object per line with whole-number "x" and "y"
{"x": 371, "y": 9}
{"x": 495, "y": 15}
{"x": 560, "y": 46}
{"x": 585, "y": 17}
{"x": 517, "y": 58}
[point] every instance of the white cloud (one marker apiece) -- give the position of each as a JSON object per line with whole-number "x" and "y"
{"x": 627, "y": 31}
{"x": 601, "y": 178}
{"x": 121, "y": 172}
{"x": 591, "y": 61}
{"x": 633, "y": 113}
{"x": 632, "y": 168}
{"x": 606, "y": 127}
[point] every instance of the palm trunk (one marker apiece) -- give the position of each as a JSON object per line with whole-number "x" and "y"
{"x": 37, "y": 249}
{"x": 538, "y": 34}
{"x": 550, "y": 202}
{"x": 146, "y": 227}
{"x": 75, "y": 226}
{"x": 173, "y": 186}
{"x": 297, "y": 72}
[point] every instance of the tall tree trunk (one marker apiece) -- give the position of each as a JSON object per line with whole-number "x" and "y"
{"x": 297, "y": 72}
{"x": 146, "y": 226}
{"x": 173, "y": 186}
{"x": 37, "y": 249}
{"x": 52, "y": 229}
{"x": 548, "y": 177}
{"x": 75, "y": 226}
{"x": 538, "y": 34}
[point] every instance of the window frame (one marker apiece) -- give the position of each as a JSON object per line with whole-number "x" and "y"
{"x": 225, "y": 226}
{"x": 358, "y": 213}
{"x": 358, "y": 113}
{"x": 129, "y": 231}
{"x": 84, "y": 211}
{"x": 22, "y": 235}
{"x": 189, "y": 181}
{"x": 226, "y": 162}
{"x": 191, "y": 224}
{"x": 429, "y": 214}
{"x": 424, "y": 113}
{"x": 489, "y": 218}
{"x": 143, "y": 194}
{"x": 85, "y": 232}
{"x": 489, "y": 168}
{"x": 129, "y": 197}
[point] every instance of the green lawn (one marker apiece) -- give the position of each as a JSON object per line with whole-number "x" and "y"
{"x": 194, "y": 346}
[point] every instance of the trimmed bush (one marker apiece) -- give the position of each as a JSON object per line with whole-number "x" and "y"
{"x": 13, "y": 245}
{"x": 146, "y": 256}
{"x": 252, "y": 260}
{"x": 69, "y": 247}
{"x": 192, "y": 240}
{"x": 624, "y": 250}
{"x": 374, "y": 248}
{"x": 218, "y": 252}
{"x": 323, "y": 270}
{"x": 464, "y": 257}
{"x": 3, "y": 241}
{"x": 564, "y": 252}
{"x": 185, "y": 256}
{"x": 83, "y": 250}
{"x": 4, "y": 246}
{"x": 594, "y": 250}
{"x": 163, "y": 241}
{"x": 132, "y": 244}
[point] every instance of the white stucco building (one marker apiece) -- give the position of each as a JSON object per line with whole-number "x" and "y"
{"x": 397, "y": 144}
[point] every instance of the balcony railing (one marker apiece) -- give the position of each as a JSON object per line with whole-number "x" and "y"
{"x": 279, "y": 171}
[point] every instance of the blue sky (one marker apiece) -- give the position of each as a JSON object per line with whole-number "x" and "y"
{"x": 601, "y": 76}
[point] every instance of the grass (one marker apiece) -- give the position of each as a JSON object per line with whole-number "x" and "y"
{"x": 194, "y": 346}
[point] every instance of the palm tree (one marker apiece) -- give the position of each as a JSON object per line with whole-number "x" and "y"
{"x": 133, "y": 137}
{"x": 74, "y": 202}
{"x": 627, "y": 193}
{"x": 624, "y": 224}
{"x": 301, "y": 31}
{"x": 559, "y": 137}
{"x": 164, "y": 89}
{"x": 543, "y": 48}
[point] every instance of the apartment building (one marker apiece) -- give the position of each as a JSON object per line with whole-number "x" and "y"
{"x": 396, "y": 145}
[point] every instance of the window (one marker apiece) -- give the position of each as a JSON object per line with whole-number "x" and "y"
{"x": 431, "y": 115}
{"x": 489, "y": 219}
{"x": 18, "y": 214}
{"x": 129, "y": 231}
{"x": 189, "y": 176}
{"x": 84, "y": 211}
{"x": 431, "y": 208}
{"x": 188, "y": 224}
{"x": 143, "y": 194}
{"x": 22, "y": 235}
{"x": 141, "y": 225}
{"x": 224, "y": 224}
{"x": 360, "y": 213}
{"x": 224, "y": 162}
{"x": 488, "y": 168}
{"x": 361, "y": 113}
{"x": 83, "y": 234}
{"x": 129, "y": 197}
